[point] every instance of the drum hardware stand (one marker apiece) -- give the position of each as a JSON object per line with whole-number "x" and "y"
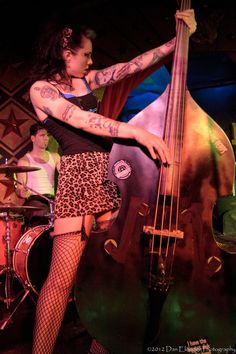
{"x": 8, "y": 269}
{"x": 4, "y": 324}
{"x": 26, "y": 291}
{"x": 8, "y": 299}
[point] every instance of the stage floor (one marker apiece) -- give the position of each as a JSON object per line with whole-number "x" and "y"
{"x": 16, "y": 337}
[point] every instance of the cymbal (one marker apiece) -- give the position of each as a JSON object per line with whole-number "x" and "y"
{"x": 10, "y": 206}
{"x": 8, "y": 169}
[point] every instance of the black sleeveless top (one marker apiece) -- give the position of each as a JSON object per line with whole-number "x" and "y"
{"x": 73, "y": 140}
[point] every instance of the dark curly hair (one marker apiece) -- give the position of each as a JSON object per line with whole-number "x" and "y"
{"x": 48, "y": 55}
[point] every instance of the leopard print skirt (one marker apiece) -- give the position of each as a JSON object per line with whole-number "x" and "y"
{"x": 83, "y": 187}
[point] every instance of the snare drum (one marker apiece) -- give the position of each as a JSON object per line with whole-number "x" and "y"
{"x": 15, "y": 226}
{"x": 32, "y": 257}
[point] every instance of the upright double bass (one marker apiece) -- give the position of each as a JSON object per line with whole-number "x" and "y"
{"x": 157, "y": 278}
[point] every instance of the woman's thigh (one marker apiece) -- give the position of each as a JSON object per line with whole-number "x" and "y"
{"x": 72, "y": 224}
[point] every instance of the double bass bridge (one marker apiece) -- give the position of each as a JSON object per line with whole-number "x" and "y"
{"x": 150, "y": 230}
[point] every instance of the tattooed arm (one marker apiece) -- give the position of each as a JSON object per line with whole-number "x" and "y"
{"x": 47, "y": 101}
{"x": 114, "y": 73}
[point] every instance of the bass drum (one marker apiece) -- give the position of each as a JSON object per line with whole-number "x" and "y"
{"x": 32, "y": 257}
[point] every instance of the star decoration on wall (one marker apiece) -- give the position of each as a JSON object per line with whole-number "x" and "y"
{"x": 10, "y": 187}
{"x": 12, "y": 124}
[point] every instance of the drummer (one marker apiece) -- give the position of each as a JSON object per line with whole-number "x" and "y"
{"x": 33, "y": 186}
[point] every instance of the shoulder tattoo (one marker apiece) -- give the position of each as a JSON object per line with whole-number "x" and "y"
{"x": 47, "y": 92}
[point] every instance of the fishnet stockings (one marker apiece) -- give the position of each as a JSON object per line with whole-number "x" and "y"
{"x": 52, "y": 302}
{"x": 97, "y": 348}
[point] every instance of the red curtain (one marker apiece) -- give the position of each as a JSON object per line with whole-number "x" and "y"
{"x": 115, "y": 96}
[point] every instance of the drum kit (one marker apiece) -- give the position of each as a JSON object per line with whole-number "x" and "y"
{"x": 22, "y": 255}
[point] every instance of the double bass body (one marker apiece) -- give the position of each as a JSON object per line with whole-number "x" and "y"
{"x": 121, "y": 301}
{"x": 114, "y": 301}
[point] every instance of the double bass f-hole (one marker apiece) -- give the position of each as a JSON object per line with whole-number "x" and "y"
{"x": 137, "y": 211}
{"x": 165, "y": 230}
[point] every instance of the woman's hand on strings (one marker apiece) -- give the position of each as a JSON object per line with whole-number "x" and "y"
{"x": 155, "y": 145}
{"x": 188, "y": 16}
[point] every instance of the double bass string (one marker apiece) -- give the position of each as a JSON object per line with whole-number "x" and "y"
{"x": 180, "y": 66}
{"x": 170, "y": 177}
{"x": 179, "y": 94}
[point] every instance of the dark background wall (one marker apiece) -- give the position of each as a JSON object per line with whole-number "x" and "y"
{"x": 124, "y": 29}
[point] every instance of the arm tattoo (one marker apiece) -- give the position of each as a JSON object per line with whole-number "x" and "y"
{"x": 156, "y": 57}
{"x": 105, "y": 77}
{"x": 47, "y": 92}
{"x": 171, "y": 42}
{"x": 117, "y": 72}
{"x": 129, "y": 68}
{"x": 67, "y": 114}
{"x": 100, "y": 123}
{"x": 47, "y": 111}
